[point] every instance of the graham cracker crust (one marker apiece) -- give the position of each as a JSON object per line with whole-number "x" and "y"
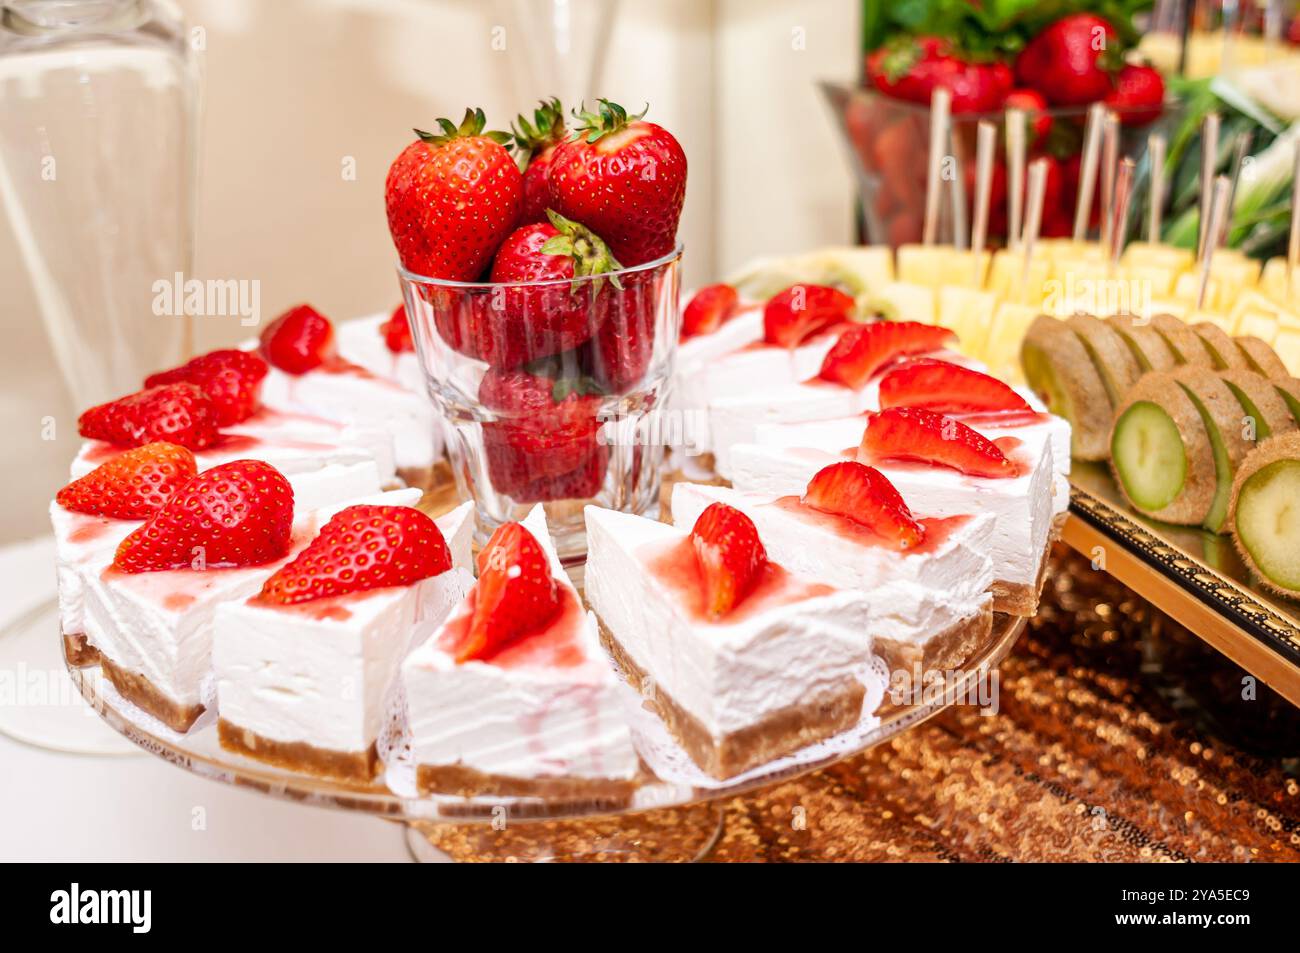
{"x": 299, "y": 755}
{"x": 947, "y": 649}
{"x": 142, "y": 693}
{"x": 1018, "y": 598}
{"x": 78, "y": 651}
{"x": 463, "y": 781}
{"x": 779, "y": 733}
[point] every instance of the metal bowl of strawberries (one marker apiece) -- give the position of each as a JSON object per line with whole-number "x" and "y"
{"x": 541, "y": 289}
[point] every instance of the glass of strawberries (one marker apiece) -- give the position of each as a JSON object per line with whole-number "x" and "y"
{"x": 541, "y": 290}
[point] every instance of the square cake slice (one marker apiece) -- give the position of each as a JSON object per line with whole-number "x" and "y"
{"x": 533, "y": 708}
{"x": 306, "y": 686}
{"x": 781, "y": 670}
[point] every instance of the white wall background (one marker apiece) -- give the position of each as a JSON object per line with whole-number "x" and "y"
{"x": 292, "y": 87}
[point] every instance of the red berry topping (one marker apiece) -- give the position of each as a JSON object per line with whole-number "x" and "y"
{"x": 947, "y": 388}
{"x": 236, "y": 514}
{"x": 397, "y": 331}
{"x": 299, "y": 340}
{"x": 133, "y": 485}
{"x": 175, "y": 413}
{"x": 515, "y": 595}
{"x": 712, "y": 306}
{"x": 231, "y": 378}
{"x": 800, "y": 311}
{"x": 909, "y": 433}
{"x": 362, "y": 547}
{"x": 862, "y": 494}
{"x": 730, "y": 555}
{"x": 862, "y": 351}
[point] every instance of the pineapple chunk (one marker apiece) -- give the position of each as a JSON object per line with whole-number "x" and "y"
{"x": 1258, "y": 324}
{"x": 1273, "y": 281}
{"x": 1287, "y": 346}
{"x": 1002, "y": 349}
{"x": 908, "y": 301}
{"x": 929, "y": 265}
{"x": 1007, "y": 278}
{"x": 1147, "y": 255}
{"x": 1257, "y": 302}
{"x": 968, "y": 312}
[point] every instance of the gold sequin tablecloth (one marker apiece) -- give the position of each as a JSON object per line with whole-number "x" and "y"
{"x": 1098, "y": 752}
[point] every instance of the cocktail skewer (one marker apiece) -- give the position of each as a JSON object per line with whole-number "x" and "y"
{"x": 1088, "y": 170}
{"x": 1015, "y": 174}
{"x": 940, "y": 104}
{"x": 1119, "y": 218}
{"x": 1109, "y": 160}
{"x": 1218, "y": 213}
{"x": 985, "y": 142}
{"x": 1033, "y": 218}
{"x": 1156, "y": 156}
{"x": 1209, "y": 156}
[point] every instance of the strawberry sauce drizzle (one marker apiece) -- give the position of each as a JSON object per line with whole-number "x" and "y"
{"x": 675, "y": 567}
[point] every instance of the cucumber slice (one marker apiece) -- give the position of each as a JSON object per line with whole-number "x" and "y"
{"x": 1185, "y": 343}
{"x": 1142, "y": 448}
{"x": 1221, "y": 414}
{"x": 1260, "y": 402}
{"x": 1222, "y": 349}
{"x": 1260, "y": 357}
{"x": 1057, "y": 367}
{"x": 1148, "y": 347}
{"x": 1149, "y": 455}
{"x": 1266, "y": 512}
{"x": 1115, "y": 363}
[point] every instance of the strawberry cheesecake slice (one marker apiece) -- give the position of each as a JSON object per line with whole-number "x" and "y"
{"x": 305, "y": 668}
{"x": 308, "y": 375}
{"x": 513, "y": 695}
{"x": 745, "y": 660}
{"x": 839, "y": 387}
{"x": 92, "y": 515}
{"x": 928, "y": 578}
{"x": 779, "y": 343}
{"x": 942, "y": 468}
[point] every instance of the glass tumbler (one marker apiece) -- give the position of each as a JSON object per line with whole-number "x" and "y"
{"x": 551, "y": 390}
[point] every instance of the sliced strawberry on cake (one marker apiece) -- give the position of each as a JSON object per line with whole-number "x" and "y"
{"x": 928, "y": 578}
{"x": 231, "y": 379}
{"x": 757, "y": 347}
{"x": 93, "y": 514}
{"x": 305, "y": 669}
{"x": 942, "y": 467}
{"x": 843, "y": 385}
{"x": 521, "y": 647}
{"x": 744, "y": 660}
{"x": 313, "y": 373}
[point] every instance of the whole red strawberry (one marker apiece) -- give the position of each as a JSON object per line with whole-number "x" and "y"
{"x": 546, "y": 437}
{"x": 535, "y": 144}
{"x": 1067, "y": 61}
{"x": 133, "y": 485}
{"x": 452, "y": 198}
{"x": 397, "y": 331}
{"x": 176, "y": 413}
{"x": 516, "y": 593}
{"x": 541, "y": 309}
{"x": 362, "y": 547}
{"x": 231, "y": 378}
{"x": 300, "y": 340}
{"x": 623, "y": 178}
{"x": 236, "y": 514}
{"x": 915, "y": 69}
{"x": 1139, "y": 95}
{"x": 624, "y": 342}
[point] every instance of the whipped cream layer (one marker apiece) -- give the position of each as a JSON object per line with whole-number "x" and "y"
{"x": 81, "y": 539}
{"x": 546, "y": 706}
{"x": 362, "y": 342}
{"x": 349, "y": 393}
{"x": 1022, "y": 506}
{"x": 732, "y": 673}
{"x": 321, "y": 672}
{"x": 914, "y": 594}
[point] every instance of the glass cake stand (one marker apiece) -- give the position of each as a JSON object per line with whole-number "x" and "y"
{"x": 662, "y": 821}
